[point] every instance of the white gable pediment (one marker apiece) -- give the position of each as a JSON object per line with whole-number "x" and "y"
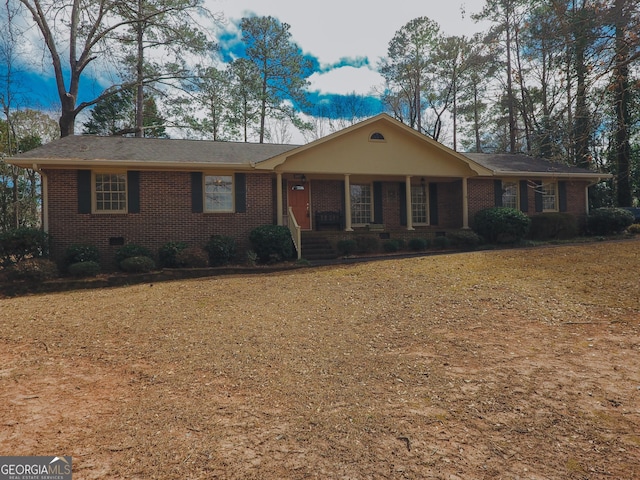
{"x": 379, "y": 146}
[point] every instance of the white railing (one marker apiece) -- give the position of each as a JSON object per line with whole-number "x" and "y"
{"x": 296, "y": 234}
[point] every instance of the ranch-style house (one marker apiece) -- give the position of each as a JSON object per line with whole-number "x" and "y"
{"x": 378, "y": 177}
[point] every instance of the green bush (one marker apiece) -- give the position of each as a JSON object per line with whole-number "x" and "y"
{"x": 609, "y": 220}
{"x": 20, "y": 243}
{"x": 501, "y": 225}
{"x": 132, "y": 250}
{"x": 634, "y": 229}
{"x": 84, "y": 269}
{"x": 33, "y": 269}
{"x": 271, "y": 243}
{"x": 192, "y": 257}
{"x": 80, "y": 253}
{"x": 221, "y": 250}
{"x": 464, "y": 238}
{"x": 346, "y": 247}
{"x": 252, "y": 258}
{"x": 441, "y": 242}
{"x": 418, "y": 244}
{"x": 367, "y": 244}
{"x": 140, "y": 264}
{"x": 553, "y": 226}
{"x": 168, "y": 252}
{"x": 392, "y": 246}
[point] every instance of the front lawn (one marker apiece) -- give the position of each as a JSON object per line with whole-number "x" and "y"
{"x": 497, "y": 364}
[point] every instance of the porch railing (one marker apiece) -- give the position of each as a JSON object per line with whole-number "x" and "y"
{"x": 296, "y": 234}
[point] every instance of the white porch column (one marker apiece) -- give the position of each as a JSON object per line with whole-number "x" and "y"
{"x": 279, "y": 200}
{"x": 347, "y": 204}
{"x": 465, "y": 204}
{"x": 409, "y": 209}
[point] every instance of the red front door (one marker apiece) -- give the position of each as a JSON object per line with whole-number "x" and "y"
{"x": 298, "y": 196}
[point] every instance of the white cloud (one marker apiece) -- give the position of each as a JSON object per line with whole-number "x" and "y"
{"x": 346, "y": 80}
{"x": 333, "y": 29}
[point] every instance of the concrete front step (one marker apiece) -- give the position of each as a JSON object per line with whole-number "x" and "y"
{"x": 317, "y": 248}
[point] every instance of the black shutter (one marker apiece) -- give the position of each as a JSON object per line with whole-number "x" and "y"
{"x": 497, "y": 193}
{"x": 84, "y": 191}
{"x": 562, "y": 196}
{"x": 240, "y": 181}
{"x": 133, "y": 191}
{"x": 196, "y": 192}
{"x": 433, "y": 204}
{"x": 524, "y": 196}
{"x": 377, "y": 202}
{"x": 403, "y": 203}
{"x": 539, "y": 205}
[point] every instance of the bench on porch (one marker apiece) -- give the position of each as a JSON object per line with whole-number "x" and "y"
{"x": 328, "y": 219}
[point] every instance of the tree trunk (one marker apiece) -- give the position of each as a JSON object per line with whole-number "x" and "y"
{"x": 581, "y": 128}
{"x": 510, "y": 96}
{"x": 139, "y": 110}
{"x": 476, "y": 119}
{"x": 622, "y": 99}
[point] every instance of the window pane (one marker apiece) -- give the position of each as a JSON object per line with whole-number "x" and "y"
{"x": 510, "y": 194}
{"x": 218, "y": 193}
{"x": 419, "y": 204}
{"x": 361, "y": 207}
{"x": 549, "y": 196}
{"x": 111, "y": 192}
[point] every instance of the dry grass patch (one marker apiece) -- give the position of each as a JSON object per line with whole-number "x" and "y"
{"x": 505, "y": 364}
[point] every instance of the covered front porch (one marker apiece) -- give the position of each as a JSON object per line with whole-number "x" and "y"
{"x": 341, "y": 207}
{"x": 378, "y": 174}
{"x": 366, "y": 201}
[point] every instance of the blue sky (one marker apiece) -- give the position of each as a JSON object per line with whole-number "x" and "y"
{"x": 345, "y": 41}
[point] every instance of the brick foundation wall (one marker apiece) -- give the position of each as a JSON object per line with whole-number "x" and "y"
{"x": 165, "y": 215}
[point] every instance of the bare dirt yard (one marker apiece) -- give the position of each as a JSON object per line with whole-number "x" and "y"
{"x": 513, "y": 364}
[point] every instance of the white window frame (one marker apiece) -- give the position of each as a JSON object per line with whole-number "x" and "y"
{"x": 96, "y": 206}
{"x": 549, "y": 195}
{"x": 209, "y": 192}
{"x": 416, "y": 192}
{"x": 516, "y": 187}
{"x": 357, "y": 219}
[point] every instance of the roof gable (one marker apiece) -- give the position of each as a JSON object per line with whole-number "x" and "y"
{"x": 403, "y": 151}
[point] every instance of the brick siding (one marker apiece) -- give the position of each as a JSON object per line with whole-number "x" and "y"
{"x": 165, "y": 215}
{"x": 481, "y": 196}
{"x": 166, "y": 210}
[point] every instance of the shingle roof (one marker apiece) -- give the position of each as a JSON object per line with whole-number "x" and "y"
{"x": 174, "y": 153}
{"x": 153, "y": 150}
{"x": 518, "y": 163}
